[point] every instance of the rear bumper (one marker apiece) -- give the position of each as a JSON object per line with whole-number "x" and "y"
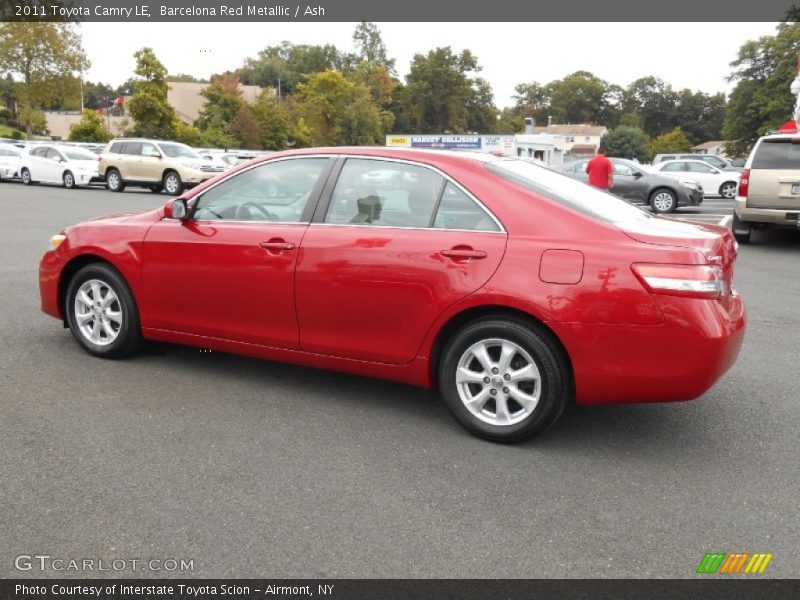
{"x": 785, "y": 217}
{"x": 679, "y": 360}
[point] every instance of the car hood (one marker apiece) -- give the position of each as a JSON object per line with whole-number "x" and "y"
{"x": 145, "y": 217}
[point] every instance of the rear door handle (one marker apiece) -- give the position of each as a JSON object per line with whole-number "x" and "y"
{"x": 463, "y": 253}
{"x": 277, "y": 246}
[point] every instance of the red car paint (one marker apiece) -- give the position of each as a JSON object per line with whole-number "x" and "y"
{"x": 375, "y": 300}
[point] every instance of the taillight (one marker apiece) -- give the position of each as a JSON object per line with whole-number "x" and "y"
{"x": 693, "y": 281}
{"x": 744, "y": 183}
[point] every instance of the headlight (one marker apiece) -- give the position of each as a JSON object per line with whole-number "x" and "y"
{"x": 56, "y": 240}
{"x": 693, "y": 185}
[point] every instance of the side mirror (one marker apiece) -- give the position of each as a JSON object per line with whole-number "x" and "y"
{"x": 176, "y": 209}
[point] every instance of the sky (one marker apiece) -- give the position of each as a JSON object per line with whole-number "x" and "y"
{"x": 686, "y": 55}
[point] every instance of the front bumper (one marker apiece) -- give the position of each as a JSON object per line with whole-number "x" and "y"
{"x": 689, "y": 197}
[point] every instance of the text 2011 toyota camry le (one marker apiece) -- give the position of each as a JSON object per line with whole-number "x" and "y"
{"x": 513, "y": 289}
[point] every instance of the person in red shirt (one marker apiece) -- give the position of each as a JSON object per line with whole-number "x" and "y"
{"x": 601, "y": 171}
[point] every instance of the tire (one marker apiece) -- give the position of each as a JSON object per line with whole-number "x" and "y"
{"x": 728, "y": 190}
{"x": 92, "y": 325}
{"x": 25, "y": 175}
{"x": 156, "y": 189}
{"x": 741, "y": 229}
{"x": 477, "y": 404}
{"x": 172, "y": 183}
{"x": 114, "y": 181}
{"x": 69, "y": 180}
{"x": 663, "y": 201}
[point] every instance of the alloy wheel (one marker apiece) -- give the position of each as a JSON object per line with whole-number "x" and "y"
{"x": 498, "y": 382}
{"x": 663, "y": 201}
{"x": 98, "y": 312}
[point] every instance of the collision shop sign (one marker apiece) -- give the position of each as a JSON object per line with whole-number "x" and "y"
{"x": 447, "y": 142}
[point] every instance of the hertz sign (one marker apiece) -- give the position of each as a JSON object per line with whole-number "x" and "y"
{"x": 734, "y": 563}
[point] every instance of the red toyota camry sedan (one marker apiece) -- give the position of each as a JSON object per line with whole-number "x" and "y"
{"x": 513, "y": 289}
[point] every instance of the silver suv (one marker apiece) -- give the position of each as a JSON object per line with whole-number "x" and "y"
{"x": 769, "y": 190}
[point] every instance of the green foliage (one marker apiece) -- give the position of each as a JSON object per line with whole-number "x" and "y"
{"x": 34, "y": 120}
{"x": 223, "y": 102}
{"x": 43, "y": 56}
{"x": 764, "y": 70}
{"x": 440, "y": 94}
{"x": 91, "y": 128}
{"x": 579, "y": 98}
{"x": 370, "y": 46}
{"x": 339, "y": 111}
{"x": 673, "y": 141}
{"x": 625, "y": 142}
{"x": 274, "y": 121}
{"x": 153, "y": 115}
{"x": 187, "y": 134}
{"x": 653, "y": 101}
{"x": 216, "y": 138}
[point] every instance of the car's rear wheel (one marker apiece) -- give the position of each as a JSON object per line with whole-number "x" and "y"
{"x": 728, "y": 190}
{"x": 663, "y": 201}
{"x": 173, "y": 183}
{"x": 25, "y": 175}
{"x": 114, "y": 181}
{"x": 102, "y": 313}
{"x": 741, "y": 229}
{"x": 503, "y": 379}
{"x": 69, "y": 180}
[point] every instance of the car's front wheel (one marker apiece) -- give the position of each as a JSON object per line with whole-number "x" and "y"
{"x": 663, "y": 201}
{"x": 173, "y": 183}
{"x": 503, "y": 379}
{"x": 728, "y": 190}
{"x": 102, "y": 313}
{"x": 69, "y": 180}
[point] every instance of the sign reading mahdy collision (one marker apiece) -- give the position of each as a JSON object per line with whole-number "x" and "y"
{"x": 485, "y": 143}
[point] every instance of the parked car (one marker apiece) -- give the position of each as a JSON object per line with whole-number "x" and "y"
{"x": 714, "y": 181}
{"x": 715, "y": 161}
{"x": 512, "y": 288}
{"x": 152, "y": 164}
{"x": 214, "y": 161}
{"x": 51, "y": 163}
{"x": 769, "y": 190}
{"x": 9, "y": 161}
{"x": 635, "y": 184}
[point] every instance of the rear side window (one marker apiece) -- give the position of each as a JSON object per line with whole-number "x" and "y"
{"x": 777, "y": 154}
{"x": 116, "y": 148}
{"x": 676, "y": 166}
{"x": 459, "y": 211}
{"x": 132, "y": 148}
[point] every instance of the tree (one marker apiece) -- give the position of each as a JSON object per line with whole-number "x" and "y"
{"x": 246, "y": 129}
{"x": 579, "y": 98}
{"x": 439, "y": 89}
{"x": 762, "y": 100}
{"x": 274, "y": 121}
{"x": 381, "y": 85}
{"x": 153, "y": 115}
{"x": 700, "y": 115}
{"x": 223, "y": 102}
{"x": 673, "y": 141}
{"x": 532, "y": 100}
{"x": 625, "y": 142}
{"x": 41, "y": 54}
{"x": 339, "y": 111}
{"x": 653, "y": 100}
{"x": 370, "y": 46}
{"x": 90, "y": 128}
{"x": 187, "y": 134}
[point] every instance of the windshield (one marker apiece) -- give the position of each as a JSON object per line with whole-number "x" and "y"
{"x": 78, "y": 154}
{"x": 567, "y": 191}
{"x": 178, "y": 151}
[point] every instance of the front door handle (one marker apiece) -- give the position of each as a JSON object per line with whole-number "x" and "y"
{"x": 466, "y": 252}
{"x": 277, "y": 246}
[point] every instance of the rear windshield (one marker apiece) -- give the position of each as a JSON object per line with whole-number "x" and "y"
{"x": 778, "y": 153}
{"x": 567, "y": 191}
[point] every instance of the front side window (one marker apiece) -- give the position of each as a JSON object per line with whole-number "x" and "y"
{"x": 621, "y": 169}
{"x": 54, "y": 154}
{"x": 697, "y": 167}
{"x": 276, "y": 191}
{"x": 40, "y": 152}
{"x": 149, "y": 150}
{"x": 177, "y": 151}
{"x": 384, "y": 193}
{"x": 458, "y": 211}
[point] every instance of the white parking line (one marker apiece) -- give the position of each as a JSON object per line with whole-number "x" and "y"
{"x": 726, "y": 221}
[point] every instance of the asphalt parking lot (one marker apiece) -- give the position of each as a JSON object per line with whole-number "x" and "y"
{"x": 257, "y": 469}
